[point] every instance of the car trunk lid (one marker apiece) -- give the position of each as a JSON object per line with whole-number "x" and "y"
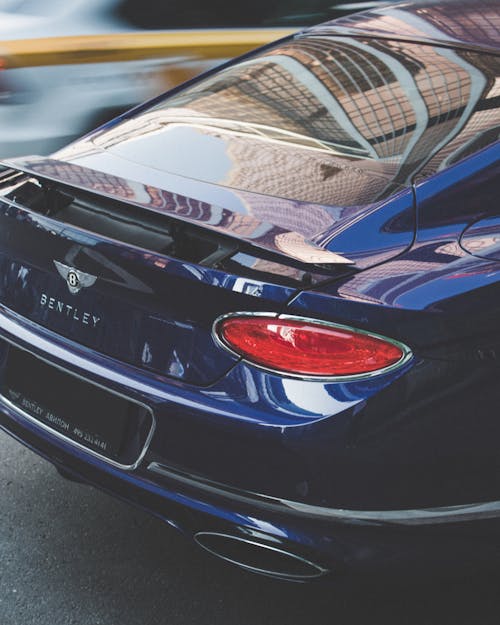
{"x": 140, "y": 273}
{"x": 129, "y": 283}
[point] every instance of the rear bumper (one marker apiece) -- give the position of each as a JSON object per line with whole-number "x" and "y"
{"x": 336, "y": 540}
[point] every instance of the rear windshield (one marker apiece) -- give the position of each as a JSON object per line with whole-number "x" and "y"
{"x": 335, "y": 121}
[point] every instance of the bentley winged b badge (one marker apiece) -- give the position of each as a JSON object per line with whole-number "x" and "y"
{"x": 75, "y": 279}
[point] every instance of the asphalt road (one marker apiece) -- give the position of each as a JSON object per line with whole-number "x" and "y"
{"x": 72, "y": 555}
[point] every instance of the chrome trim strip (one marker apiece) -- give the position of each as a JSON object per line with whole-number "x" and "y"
{"x": 404, "y": 517}
{"x": 320, "y": 571}
{"x": 406, "y": 351}
{"x": 20, "y": 412}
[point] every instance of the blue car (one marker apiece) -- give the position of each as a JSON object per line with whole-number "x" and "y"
{"x": 265, "y": 306}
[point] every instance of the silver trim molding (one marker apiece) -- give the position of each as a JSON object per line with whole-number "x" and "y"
{"x": 406, "y": 517}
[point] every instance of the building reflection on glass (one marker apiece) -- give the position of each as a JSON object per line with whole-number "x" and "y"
{"x": 340, "y": 122}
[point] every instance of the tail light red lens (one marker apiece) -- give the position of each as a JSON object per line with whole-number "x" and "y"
{"x": 308, "y": 348}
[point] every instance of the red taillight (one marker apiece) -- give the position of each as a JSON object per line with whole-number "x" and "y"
{"x": 308, "y": 348}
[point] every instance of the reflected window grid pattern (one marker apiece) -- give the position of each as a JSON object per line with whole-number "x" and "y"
{"x": 484, "y": 20}
{"x": 341, "y": 123}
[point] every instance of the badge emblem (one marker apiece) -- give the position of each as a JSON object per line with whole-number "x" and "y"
{"x": 75, "y": 279}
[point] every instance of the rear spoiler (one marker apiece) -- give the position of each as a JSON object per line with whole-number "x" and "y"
{"x": 243, "y": 227}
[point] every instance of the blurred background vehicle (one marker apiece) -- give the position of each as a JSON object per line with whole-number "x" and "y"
{"x": 67, "y": 67}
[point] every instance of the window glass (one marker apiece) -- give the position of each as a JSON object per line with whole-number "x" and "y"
{"x": 322, "y": 119}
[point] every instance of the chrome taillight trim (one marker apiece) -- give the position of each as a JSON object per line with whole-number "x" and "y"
{"x": 407, "y": 353}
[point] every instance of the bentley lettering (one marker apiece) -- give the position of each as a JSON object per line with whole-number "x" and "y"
{"x": 58, "y": 306}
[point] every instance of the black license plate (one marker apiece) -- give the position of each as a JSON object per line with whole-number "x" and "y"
{"x": 83, "y": 412}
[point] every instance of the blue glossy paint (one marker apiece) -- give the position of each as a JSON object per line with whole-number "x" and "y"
{"x": 159, "y": 331}
{"x": 240, "y": 450}
{"x": 481, "y": 238}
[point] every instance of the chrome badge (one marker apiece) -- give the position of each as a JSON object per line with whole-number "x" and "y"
{"x": 75, "y": 279}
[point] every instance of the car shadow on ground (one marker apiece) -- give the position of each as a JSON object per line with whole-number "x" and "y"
{"x": 71, "y": 554}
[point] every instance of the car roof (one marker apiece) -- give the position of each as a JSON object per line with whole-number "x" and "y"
{"x": 472, "y": 24}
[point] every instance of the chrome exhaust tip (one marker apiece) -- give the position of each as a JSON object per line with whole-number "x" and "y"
{"x": 258, "y": 557}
